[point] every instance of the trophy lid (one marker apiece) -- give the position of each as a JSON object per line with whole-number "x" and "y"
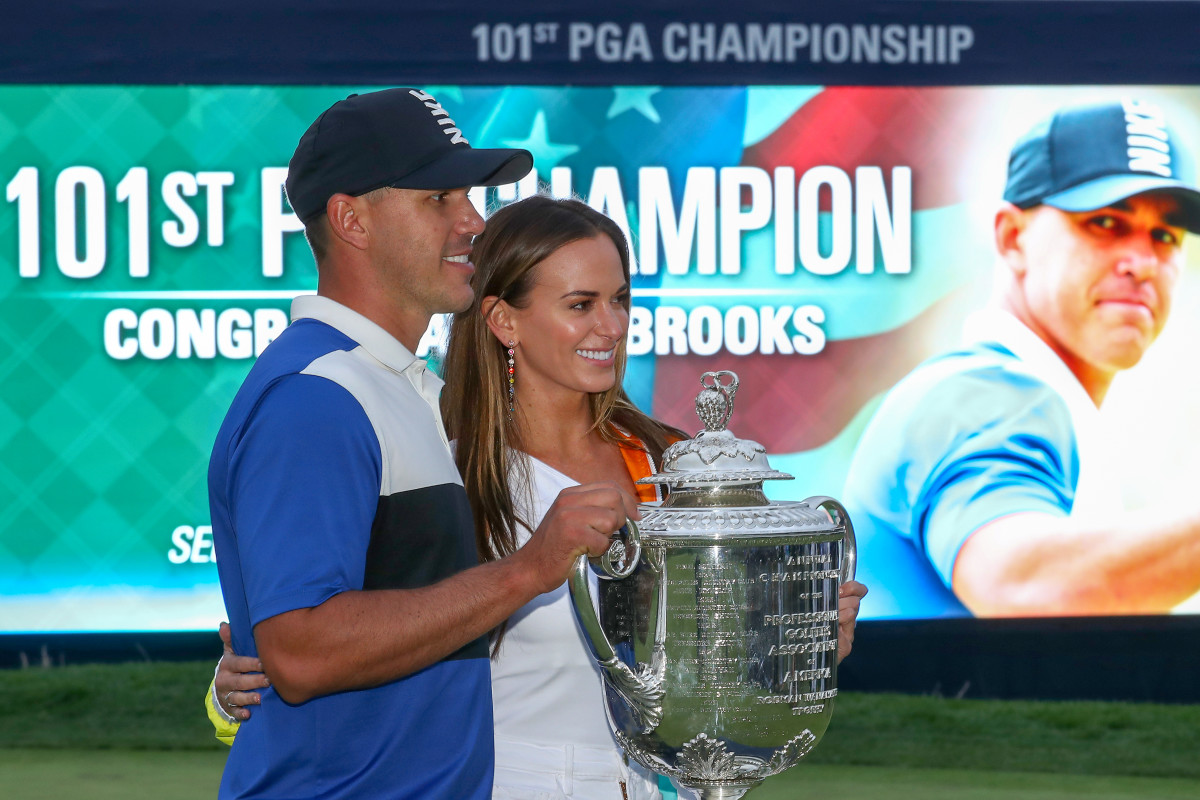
{"x": 715, "y": 468}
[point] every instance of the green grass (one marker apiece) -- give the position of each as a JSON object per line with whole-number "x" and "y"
{"x": 139, "y": 730}
{"x": 110, "y": 774}
{"x": 876, "y": 783}
{"x": 141, "y": 706}
{"x": 1078, "y": 738}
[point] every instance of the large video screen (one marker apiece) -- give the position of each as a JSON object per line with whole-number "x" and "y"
{"x": 819, "y": 242}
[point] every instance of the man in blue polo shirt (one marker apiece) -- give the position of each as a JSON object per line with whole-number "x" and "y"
{"x": 982, "y": 484}
{"x": 348, "y": 560}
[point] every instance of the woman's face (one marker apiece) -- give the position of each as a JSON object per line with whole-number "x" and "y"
{"x": 574, "y": 317}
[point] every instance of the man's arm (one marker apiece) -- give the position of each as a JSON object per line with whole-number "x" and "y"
{"x": 357, "y": 639}
{"x": 992, "y": 476}
{"x": 1034, "y": 564}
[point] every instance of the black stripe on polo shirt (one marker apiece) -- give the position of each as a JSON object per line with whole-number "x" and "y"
{"x": 419, "y": 537}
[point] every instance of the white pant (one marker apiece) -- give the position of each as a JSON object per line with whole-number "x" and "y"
{"x": 526, "y": 771}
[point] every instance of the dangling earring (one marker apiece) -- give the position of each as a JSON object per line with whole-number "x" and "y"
{"x": 512, "y": 381}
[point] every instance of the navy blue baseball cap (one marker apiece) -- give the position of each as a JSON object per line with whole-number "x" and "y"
{"x": 1088, "y": 157}
{"x": 396, "y": 137}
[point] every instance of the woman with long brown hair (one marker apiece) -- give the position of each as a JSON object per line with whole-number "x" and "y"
{"x": 534, "y": 368}
{"x": 534, "y": 400}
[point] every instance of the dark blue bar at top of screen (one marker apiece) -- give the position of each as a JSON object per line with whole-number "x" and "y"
{"x": 376, "y": 42}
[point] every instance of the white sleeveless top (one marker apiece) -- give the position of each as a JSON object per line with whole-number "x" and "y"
{"x": 552, "y": 737}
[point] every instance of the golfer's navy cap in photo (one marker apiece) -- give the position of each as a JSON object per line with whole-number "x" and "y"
{"x": 401, "y": 138}
{"x": 1091, "y": 156}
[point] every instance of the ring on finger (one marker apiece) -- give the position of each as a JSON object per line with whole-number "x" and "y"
{"x": 227, "y": 701}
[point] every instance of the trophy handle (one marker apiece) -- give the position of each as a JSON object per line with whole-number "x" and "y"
{"x": 643, "y": 695}
{"x": 837, "y": 512}
{"x": 608, "y": 566}
{"x": 623, "y": 554}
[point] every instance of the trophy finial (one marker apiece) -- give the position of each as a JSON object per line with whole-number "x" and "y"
{"x": 714, "y": 404}
{"x": 715, "y": 468}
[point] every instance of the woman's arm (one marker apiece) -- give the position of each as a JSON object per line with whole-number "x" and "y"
{"x": 233, "y": 689}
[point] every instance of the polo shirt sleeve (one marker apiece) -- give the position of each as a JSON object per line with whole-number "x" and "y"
{"x": 989, "y": 443}
{"x": 304, "y": 482}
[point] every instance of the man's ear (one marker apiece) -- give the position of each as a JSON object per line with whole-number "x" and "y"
{"x": 348, "y": 219}
{"x": 500, "y": 319}
{"x": 1008, "y": 230}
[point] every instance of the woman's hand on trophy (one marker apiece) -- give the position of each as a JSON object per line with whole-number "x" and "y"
{"x": 849, "y": 599}
{"x": 237, "y": 679}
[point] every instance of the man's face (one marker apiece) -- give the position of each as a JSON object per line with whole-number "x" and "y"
{"x": 421, "y": 242}
{"x": 1099, "y": 283}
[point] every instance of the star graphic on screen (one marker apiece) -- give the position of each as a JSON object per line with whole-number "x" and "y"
{"x": 546, "y": 154}
{"x": 636, "y": 98}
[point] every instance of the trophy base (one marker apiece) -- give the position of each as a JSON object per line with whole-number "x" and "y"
{"x": 707, "y": 769}
{"x": 718, "y": 792}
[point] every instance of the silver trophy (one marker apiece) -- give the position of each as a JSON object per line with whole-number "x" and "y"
{"x": 716, "y": 623}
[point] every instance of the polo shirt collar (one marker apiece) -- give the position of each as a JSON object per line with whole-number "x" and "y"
{"x": 381, "y": 345}
{"x": 1002, "y": 327}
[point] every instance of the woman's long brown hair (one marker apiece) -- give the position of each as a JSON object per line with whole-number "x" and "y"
{"x": 474, "y": 402}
